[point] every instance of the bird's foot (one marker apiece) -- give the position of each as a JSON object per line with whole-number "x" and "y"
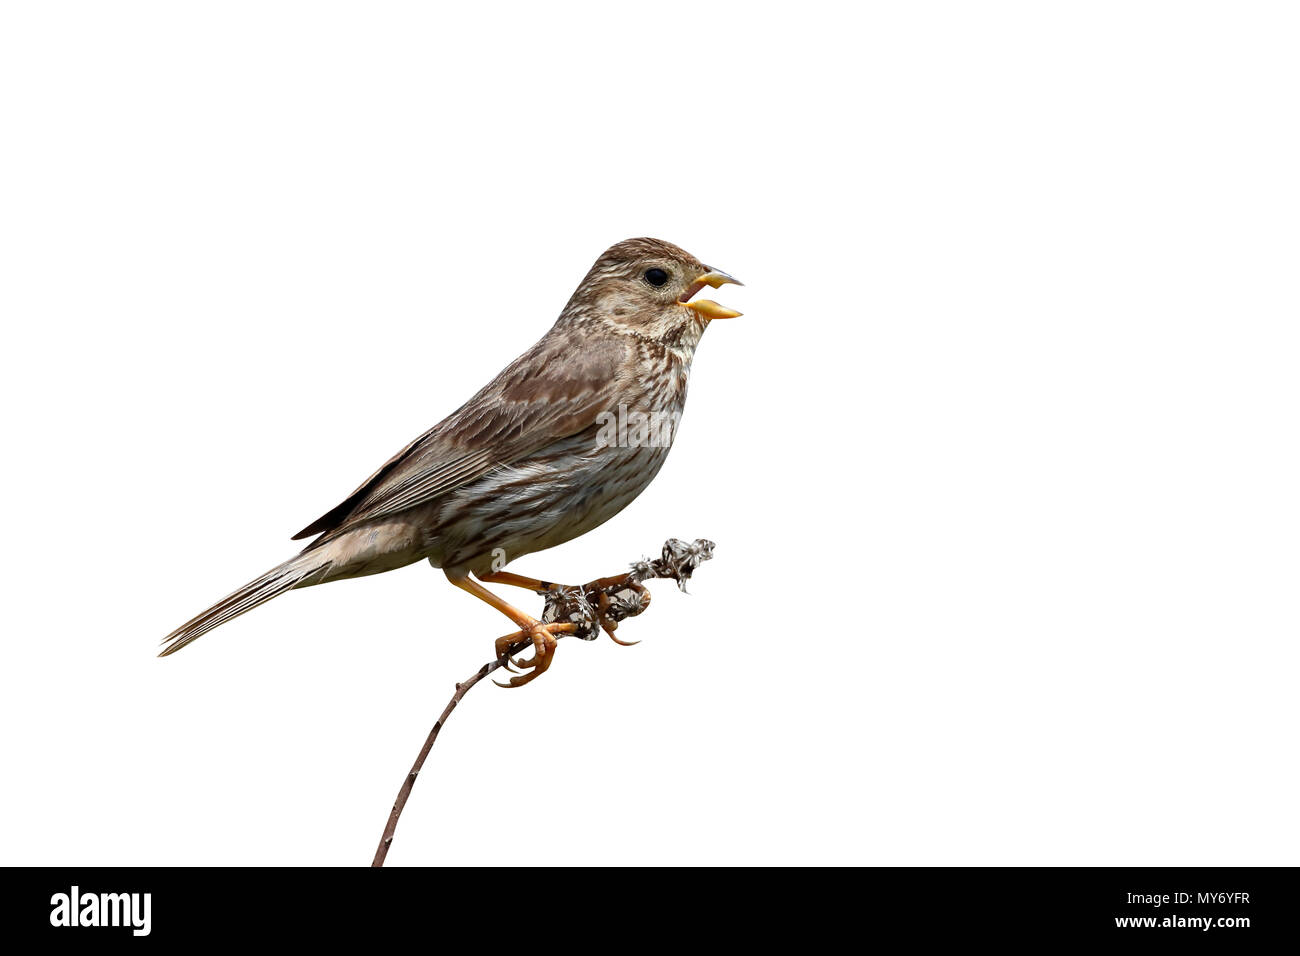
{"x": 597, "y": 605}
{"x": 544, "y": 640}
{"x": 616, "y": 599}
{"x": 607, "y": 614}
{"x": 584, "y": 611}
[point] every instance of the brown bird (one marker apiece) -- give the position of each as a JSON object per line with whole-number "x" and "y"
{"x": 561, "y": 441}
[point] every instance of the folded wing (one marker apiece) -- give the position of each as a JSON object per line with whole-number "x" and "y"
{"x": 553, "y": 391}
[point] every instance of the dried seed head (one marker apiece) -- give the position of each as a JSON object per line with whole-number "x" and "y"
{"x": 570, "y": 606}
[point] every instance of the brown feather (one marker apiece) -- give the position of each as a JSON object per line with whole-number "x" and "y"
{"x": 553, "y": 391}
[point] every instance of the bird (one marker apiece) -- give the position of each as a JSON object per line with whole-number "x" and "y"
{"x": 540, "y": 455}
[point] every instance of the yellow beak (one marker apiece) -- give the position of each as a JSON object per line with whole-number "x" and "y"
{"x": 707, "y": 307}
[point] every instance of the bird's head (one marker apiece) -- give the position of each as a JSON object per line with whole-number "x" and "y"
{"x": 646, "y": 286}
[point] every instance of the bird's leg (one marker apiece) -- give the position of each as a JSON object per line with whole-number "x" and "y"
{"x": 542, "y": 635}
{"x": 518, "y": 581}
{"x": 540, "y": 587}
{"x": 610, "y": 581}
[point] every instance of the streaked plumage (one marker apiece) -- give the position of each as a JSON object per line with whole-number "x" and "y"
{"x": 519, "y": 468}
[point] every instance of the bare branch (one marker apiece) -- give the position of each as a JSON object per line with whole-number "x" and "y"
{"x": 600, "y": 604}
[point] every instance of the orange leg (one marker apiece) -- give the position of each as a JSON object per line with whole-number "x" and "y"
{"x": 542, "y": 635}
{"x": 517, "y": 581}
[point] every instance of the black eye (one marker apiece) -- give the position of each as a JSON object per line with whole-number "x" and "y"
{"x": 656, "y": 276}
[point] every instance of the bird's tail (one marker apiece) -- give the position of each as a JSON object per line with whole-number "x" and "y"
{"x": 297, "y": 572}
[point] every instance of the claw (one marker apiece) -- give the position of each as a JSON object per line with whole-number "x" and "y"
{"x": 544, "y": 643}
{"x": 519, "y": 681}
{"x": 608, "y": 628}
{"x": 503, "y": 646}
{"x": 524, "y": 665}
{"x": 606, "y": 623}
{"x": 522, "y": 679}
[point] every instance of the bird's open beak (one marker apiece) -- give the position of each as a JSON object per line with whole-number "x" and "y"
{"x": 707, "y": 307}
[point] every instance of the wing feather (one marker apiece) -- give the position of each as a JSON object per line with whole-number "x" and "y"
{"x": 554, "y": 390}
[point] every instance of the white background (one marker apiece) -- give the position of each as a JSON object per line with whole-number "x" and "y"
{"x": 1001, "y": 460}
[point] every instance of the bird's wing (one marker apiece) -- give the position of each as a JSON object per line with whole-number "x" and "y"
{"x": 556, "y": 389}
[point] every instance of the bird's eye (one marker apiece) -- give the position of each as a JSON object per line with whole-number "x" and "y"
{"x": 656, "y": 276}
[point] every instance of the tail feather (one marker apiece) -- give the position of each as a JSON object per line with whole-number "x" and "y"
{"x": 294, "y": 573}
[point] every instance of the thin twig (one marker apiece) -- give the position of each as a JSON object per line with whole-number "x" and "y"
{"x": 402, "y": 795}
{"x": 600, "y": 604}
